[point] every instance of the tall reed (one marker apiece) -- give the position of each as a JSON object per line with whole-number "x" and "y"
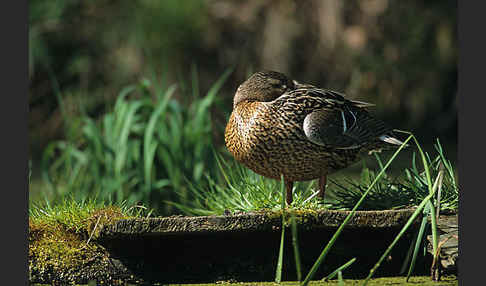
{"x": 143, "y": 151}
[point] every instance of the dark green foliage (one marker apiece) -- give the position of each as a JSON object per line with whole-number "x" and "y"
{"x": 143, "y": 151}
{"x": 400, "y": 55}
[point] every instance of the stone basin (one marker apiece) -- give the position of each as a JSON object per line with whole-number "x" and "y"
{"x": 244, "y": 247}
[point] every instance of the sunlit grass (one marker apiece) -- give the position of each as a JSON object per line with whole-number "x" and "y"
{"x": 75, "y": 214}
{"x": 238, "y": 189}
{"x": 404, "y": 190}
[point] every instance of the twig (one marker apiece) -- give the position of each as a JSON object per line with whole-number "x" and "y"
{"x": 92, "y": 232}
{"x": 435, "y": 268}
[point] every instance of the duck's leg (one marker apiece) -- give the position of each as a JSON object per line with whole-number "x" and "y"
{"x": 322, "y": 186}
{"x": 289, "y": 185}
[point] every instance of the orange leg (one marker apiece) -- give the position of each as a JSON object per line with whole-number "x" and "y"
{"x": 289, "y": 185}
{"x": 322, "y": 186}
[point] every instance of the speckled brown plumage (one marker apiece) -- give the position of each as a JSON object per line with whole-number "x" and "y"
{"x": 279, "y": 126}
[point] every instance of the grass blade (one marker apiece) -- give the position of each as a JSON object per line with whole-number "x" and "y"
{"x": 149, "y": 144}
{"x": 408, "y": 257}
{"x": 278, "y": 273}
{"x": 324, "y": 252}
{"x": 441, "y": 170}
{"x": 339, "y": 269}
{"x": 295, "y": 244}
{"x": 430, "y": 186}
{"x": 417, "y": 245}
{"x": 426, "y": 200}
{"x": 402, "y": 231}
{"x": 340, "y": 278}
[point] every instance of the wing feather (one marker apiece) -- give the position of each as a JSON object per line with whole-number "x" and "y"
{"x": 343, "y": 123}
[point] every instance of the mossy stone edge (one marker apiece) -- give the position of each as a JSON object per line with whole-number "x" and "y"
{"x": 255, "y": 221}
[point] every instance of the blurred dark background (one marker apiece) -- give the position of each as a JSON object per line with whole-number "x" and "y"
{"x": 400, "y": 55}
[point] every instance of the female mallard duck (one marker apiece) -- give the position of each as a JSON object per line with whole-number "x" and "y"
{"x": 279, "y": 126}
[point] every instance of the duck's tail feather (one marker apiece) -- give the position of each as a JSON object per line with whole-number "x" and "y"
{"x": 358, "y": 103}
{"x": 391, "y": 140}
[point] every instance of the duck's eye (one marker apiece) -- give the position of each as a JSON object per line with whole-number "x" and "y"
{"x": 279, "y": 85}
{"x": 274, "y": 82}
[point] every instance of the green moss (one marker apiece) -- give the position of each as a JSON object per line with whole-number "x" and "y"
{"x": 301, "y": 216}
{"x": 417, "y": 280}
{"x": 56, "y": 245}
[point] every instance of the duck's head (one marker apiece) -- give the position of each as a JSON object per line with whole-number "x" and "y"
{"x": 263, "y": 86}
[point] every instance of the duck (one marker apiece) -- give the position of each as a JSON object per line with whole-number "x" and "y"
{"x": 280, "y": 127}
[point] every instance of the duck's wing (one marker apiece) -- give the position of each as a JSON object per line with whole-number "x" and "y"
{"x": 342, "y": 123}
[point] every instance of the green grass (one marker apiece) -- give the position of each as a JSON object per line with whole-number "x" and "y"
{"x": 416, "y": 280}
{"x": 75, "y": 214}
{"x": 144, "y": 150}
{"x": 426, "y": 207}
{"x": 406, "y": 190}
{"x": 244, "y": 191}
{"x": 62, "y": 237}
{"x": 238, "y": 189}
